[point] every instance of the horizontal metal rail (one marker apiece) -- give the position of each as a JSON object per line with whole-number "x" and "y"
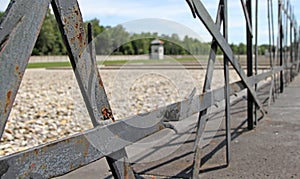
{"x": 65, "y": 155}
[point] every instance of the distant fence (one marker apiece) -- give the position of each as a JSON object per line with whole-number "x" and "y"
{"x": 36, "y": 59}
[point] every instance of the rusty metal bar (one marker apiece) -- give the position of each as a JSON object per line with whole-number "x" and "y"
{"x": 70, "y": 21}
{"x": 19, "y": 24}
{"x": 118, "y": 161}
{"x": 65, "y": 155}
{"x": 83, "y": 60}
{"x": 60, "y": 157}
{"x": 207, "y": 86}
{"x": 211, "y": 27}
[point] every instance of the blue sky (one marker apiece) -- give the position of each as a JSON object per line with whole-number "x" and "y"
{"x": 172, "y": 16}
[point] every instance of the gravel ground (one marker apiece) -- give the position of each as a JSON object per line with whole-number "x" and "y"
{"x": 49, "y": 104}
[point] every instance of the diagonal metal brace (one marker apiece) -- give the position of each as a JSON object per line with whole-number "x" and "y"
{"x": 213, "y": 29}
{"x": 247, "y": 17}
{"x": 19, "y": 24}
{"x": 207, "y": 86}
{"x": 70, "y": 21}
{"x": 83, "y": 60}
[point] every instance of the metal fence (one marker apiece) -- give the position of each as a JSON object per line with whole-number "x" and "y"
{"x": 19, "y": 29}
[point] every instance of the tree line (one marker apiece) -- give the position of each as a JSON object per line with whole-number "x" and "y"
{"x": 117, "y": 41}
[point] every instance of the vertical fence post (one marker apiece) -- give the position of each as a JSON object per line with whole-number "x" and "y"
{"x": 256, "y": 53}
{"x": 298, "y": 50}
{"x": 250, "y": 65}
{"x": 227, "y": 87}
{"x": 274, "y": 86}
{"x": 280, "y": 43}
{"x": 286, "y": 56}
{"x": 271, "y": 34}
{"x": 295, "y": 44}
{"x": 295, "y": 47}
{"x": 291, "y": 47}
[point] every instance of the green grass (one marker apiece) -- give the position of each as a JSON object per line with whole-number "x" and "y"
{"x": 49, "y": 64}
{"x": 122, "y": 62}
{"x": 113, "y": 62}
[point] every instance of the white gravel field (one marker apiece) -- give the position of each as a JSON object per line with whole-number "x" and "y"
{"x": 49, "y": 104}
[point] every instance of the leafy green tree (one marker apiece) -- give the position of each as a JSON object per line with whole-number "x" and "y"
{"x": 242, "y": 49}
{"x": 110, "y": 41}
{"x": 127, "y": 49}
{"x": 1, "y": 14}
{"x": 141, "y": 42}
{"x": 235, "y": 49}
{"x": 263, "y": 48}
{"x": 49, "y": 41}
{"x": 97, "y": 28}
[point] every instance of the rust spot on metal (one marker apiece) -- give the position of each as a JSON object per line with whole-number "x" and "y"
{"x": 72, "y": 40}
{"x": 100, "y": 82}
{"x": 126, "y": 170}
{"x": 80, "y": 38}
{"x": 71, "y": 166}
{"x": 86, "y": 151}
{"x": 76, "y": 12}
{"x": 107, "y": 114}
{"x": 18, "y": 72}
{"x": 81, "y": 141}
{"x": 65, "y": 20}
{"x": 8, "y": 100}
{"x": 36, "y": 152}
{"x": 161, "y": 127}
{"x": 67, "y": 30}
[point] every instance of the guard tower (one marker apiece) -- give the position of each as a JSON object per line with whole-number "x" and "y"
{"x": 157, "y": 49}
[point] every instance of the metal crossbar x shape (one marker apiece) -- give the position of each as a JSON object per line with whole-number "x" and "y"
{"x": 199, "y": 9}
